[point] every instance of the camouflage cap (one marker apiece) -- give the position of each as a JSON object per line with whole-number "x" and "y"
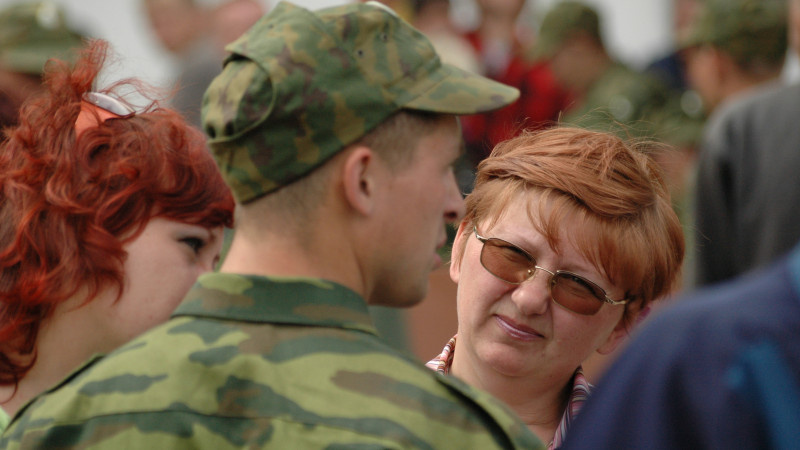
{"x": 562, "y": 21}
{"x": 32, "y": 33}
{"x": 299, "y": 86}
{"x": 746, "y": 29}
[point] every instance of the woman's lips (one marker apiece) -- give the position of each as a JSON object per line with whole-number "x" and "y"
{"x": 516, "y": 330}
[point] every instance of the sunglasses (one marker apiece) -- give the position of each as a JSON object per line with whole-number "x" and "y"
{"x": 514, "y": 265}
{"x": 96, "y": 108}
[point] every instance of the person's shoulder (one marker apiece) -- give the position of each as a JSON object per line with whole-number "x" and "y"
{"x": 716, "y": 319}
{"x": 764, "y": 101}
{"x": 629, "y": 96}
{"x": 221, "y": 380}
{"x": 507, "y": 429}
{"x": 129, "y": 379}
{"x": 679, "y": 373}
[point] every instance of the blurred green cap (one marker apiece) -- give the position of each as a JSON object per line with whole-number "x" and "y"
{"x": 561, "y": 22}
{"x": 32, "y": 33}
{"x": 299, "y": 86}
{"x": 745, "y": 29}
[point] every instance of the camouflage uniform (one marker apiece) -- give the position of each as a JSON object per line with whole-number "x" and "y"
{"x": 256, "y": 361}
{"x": 4, "y": 419}
{"x": 32, "y": 33}
{"x": 749, "y": 31}
{"x": 621, "y": 101}
{"x": 304, "y": 370}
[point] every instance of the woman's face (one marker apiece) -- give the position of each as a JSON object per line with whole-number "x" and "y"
{"x": 517, "y": 330}
{"x": 162, "y": 264}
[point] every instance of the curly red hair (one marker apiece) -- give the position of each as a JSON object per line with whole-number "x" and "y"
{"x": 68, "y": 205}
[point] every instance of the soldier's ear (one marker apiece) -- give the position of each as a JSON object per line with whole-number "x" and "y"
{"x": 358, "y": 179}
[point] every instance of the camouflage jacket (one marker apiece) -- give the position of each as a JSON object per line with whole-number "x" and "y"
{"x": 622, "y": 101}
{"x": 254, "y": 362}
{"x": 3, "y": 420}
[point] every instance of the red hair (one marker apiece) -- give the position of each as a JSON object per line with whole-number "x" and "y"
{"x": 612, "y": 189}
{"x": 68, "y": 205}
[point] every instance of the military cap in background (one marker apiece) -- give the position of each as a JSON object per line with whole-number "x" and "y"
{"x": 562, "y": 21}
{"x": 299, "y": 86}
{"x": 32, "y": 33}
{"x": 748, "y": 30}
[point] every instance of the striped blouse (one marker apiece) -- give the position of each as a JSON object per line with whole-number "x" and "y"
{"x": 579, "y": 394}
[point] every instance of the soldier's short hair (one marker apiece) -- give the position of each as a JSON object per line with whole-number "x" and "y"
{"x": 295, "y": 204}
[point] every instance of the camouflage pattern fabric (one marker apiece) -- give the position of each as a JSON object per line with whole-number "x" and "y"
{"x": 33, "y": 32}
{"x": 256, "y": 362}
{"x": 4, "y": 419}
{"x": 563, "y": 21}
{"x": 747, "y": 30}
{"x": 623, "y": 102}
{"x": 299, "y": 86}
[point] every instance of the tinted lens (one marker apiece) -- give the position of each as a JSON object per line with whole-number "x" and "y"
{"x": 576, "y": 294}
{"x": 505, "y": 261}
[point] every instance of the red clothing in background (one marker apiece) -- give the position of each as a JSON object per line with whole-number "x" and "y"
{"x": 540, "y": 102}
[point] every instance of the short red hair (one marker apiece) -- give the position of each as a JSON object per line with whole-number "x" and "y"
{"x": 611, "y": 188}
{"x": 67, "y": 205}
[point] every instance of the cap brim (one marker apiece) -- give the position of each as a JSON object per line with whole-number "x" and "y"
{"x": 461, "y": 92}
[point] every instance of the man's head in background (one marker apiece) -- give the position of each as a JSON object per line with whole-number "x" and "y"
{"x": 30, "y": 34}
{"x": 733, "y": 45}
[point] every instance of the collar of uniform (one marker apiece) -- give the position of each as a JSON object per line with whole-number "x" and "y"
{"x": 296, "y": 301}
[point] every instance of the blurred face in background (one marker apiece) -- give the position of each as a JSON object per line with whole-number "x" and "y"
{"x": 501, "y": 8}
{"x": 175, "y": 22}
{"x": 685, "y": 11}
{"x": 702, "y": 66}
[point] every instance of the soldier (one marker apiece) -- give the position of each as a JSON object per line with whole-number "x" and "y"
{"x": 734, "y": 45}
{"x": 606, "y": 93}
{"x": 336, "y": 131}
{"x": 30, "y": 34}
{"x": 748, "y": 157}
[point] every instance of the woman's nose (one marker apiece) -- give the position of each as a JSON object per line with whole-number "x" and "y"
{"x": 532, "y": 296}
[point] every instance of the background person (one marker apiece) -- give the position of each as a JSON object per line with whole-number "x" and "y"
{"x": 717, "y": 370}
{"x": 196, "y": 36}
{"x": 733, "y": 46}
{"x": 338, "y": 145}
{"x": 569, "y": 234}
{"x": 746, "y": 183}
{"x": 502, "y": 43}
{"x": 605, "y": 93}
{"x": 30, "y": 34}
{"x": 107, "y": 217}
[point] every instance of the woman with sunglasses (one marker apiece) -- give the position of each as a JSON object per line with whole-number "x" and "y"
{"x": 107, "y": 217}
{"x": 569, "y": 235}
